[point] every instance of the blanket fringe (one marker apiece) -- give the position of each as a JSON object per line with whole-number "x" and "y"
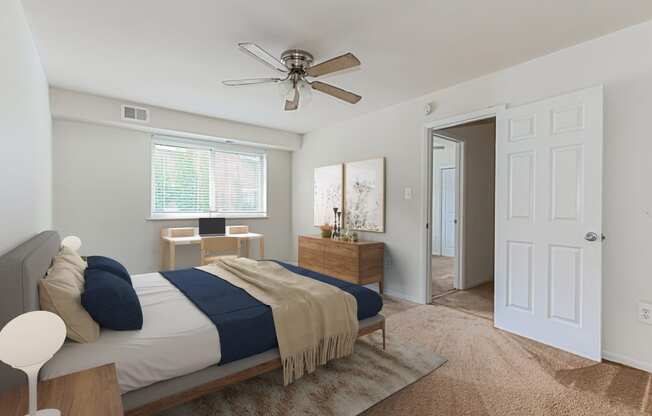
{"x": 305, "y": 362}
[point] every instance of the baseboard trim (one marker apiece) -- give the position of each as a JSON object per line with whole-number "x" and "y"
{"x": 403, "y": 296}
{"x": 628, "y": 361}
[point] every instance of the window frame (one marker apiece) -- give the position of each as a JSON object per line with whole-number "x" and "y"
{"x": 213, "y": 146}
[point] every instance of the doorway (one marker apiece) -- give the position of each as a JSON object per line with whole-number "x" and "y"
{"x": 548, "y": 218}
{"x": 463, "y": 216}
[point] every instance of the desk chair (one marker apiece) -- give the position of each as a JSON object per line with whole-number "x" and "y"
{"x": 210, "y": 246}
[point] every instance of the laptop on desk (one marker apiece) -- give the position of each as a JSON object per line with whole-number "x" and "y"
{"x": 212, "y": 227}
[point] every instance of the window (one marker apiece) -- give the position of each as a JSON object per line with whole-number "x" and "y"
{"x": 193, "y": 179}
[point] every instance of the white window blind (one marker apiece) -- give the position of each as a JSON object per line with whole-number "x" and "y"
{"x": 199, "y": 179}
{"x": 239, "y": 182}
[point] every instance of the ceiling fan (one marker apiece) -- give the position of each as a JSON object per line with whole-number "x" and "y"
{"x": 296, "y": 65}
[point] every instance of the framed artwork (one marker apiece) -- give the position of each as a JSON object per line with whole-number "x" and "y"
{"x": 364, "y": 193}
{"x": 328, "y": 193}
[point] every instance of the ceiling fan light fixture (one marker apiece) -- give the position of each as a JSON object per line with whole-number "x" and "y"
{"x": 285, "y": 88}
{"x": 305, "y": 92}
{"x": 297, "y": 65}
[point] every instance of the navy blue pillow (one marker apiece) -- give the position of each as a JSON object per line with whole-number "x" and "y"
{"x": 109, "y": 265}
{"x": 111, "y": 301}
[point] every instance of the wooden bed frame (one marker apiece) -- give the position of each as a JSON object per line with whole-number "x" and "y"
{"x": 220, "y": 383}
{"x": 22, "y": 268}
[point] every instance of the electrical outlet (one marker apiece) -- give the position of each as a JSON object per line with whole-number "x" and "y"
{"x": 645, "y": 313}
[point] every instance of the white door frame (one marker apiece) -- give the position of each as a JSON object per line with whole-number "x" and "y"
{"x": 426, "y": 191}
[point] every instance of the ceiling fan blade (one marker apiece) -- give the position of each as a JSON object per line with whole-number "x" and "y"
{"x": 294, "y": 104}
{"x": 249, "y": 81}
{"x": 336, "y": 92}
{"x": 262, "y": 56}
{"x": 346, "y": 61}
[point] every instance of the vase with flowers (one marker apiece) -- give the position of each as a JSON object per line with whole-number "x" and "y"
{"x": 326, "y": 230}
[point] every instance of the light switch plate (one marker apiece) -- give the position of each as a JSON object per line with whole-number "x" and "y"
{"x": 408, "y": 193}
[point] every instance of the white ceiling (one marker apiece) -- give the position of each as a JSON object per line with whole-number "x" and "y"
{"x": 175, "y": 53}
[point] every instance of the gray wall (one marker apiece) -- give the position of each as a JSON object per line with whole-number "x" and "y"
{"x": 102, "y": 194}
{"x": 479, "y": 144}
{"x": 25, "y": 133}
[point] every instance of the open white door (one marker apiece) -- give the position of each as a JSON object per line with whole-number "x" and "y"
{"x": 548, "y": 277}
{"x": 448, "y": 215}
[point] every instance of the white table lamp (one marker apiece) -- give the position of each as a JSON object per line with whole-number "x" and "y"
{"x": 29, "y": 341}
{"x": 72, "y": 242}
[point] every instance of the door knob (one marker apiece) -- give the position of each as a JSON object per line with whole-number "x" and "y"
{"x": 591, "y": 236}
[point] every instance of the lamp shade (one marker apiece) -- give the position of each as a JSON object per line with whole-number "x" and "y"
{"x": 72, "y": 242}
{"x": 27, "y": 342}
{"x": 31, "y": 339}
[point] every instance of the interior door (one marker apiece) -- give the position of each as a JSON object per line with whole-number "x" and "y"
{"x": 548, "y": 280}
{"x": 448, "y": 212}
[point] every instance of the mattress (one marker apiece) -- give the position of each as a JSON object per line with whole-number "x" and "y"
{"x": 176, "y": 339}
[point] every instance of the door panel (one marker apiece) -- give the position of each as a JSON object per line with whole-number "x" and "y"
{"x": 448, "y": 214}
{"x": 548, "y": 279}
{"x": 565, "y": 278}
{"x": 521, "y": 186}
{"x": 519, "y": 275}
{"x": 567, "y": 183}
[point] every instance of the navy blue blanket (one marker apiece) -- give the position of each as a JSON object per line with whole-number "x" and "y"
{"x": 246, "y": 325}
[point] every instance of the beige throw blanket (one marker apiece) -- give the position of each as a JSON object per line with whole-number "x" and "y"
{"x": 315, "y": 322}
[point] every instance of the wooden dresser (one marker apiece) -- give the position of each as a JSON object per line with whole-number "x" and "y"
{"x": 360, "y": 262}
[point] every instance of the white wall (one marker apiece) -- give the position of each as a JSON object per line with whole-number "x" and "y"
{"x": 78, "y": 106}
{"x": 441, "y": 158}
{"x": 477, "y": 225}
{"x": 25, "y": 133}
{"x": 622, "y": 62}
{"x": 102, "y": 194}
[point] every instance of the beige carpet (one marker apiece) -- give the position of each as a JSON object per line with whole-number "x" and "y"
{"x": 442, "y": 269}
{"x": 478, "y": 301}
{"x": 343, "y": 387}
{"x": 491, "y": 372}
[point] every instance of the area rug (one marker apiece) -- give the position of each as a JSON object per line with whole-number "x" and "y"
{"x": 343, "y": 387}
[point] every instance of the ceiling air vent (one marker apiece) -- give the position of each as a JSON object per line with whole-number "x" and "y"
{"x": 132, "y": 113}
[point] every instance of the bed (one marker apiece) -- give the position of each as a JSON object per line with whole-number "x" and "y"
{"x": 173, "y": 359}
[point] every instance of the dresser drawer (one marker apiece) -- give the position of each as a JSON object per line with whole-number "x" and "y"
{"x": 357, "y": 262}
{"x": 342, "y": 261}
{"x": 372, "y": 261}
{"x": 311, "y": 255}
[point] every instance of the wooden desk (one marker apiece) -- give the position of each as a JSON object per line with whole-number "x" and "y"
{"x": 173, "y": 237}
{"x": 89, "y": 392}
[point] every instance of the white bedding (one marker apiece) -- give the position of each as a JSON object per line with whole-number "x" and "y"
{"x": 176, "y": 339}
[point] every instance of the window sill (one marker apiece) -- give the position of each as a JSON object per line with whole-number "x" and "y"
{"x": 177, "y": 217}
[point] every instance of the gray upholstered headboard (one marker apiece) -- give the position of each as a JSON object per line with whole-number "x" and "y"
{"x": 20, "y": 271}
